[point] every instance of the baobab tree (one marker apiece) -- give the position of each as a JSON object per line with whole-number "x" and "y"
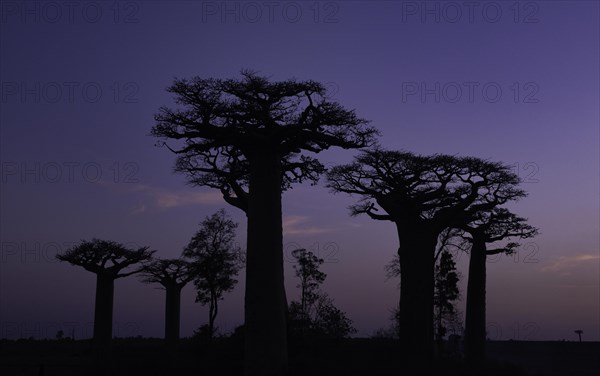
{"x": 246, "y": 138}
{"x": 173, "y": 275}
{"x": 422, "y": 195}
{"x": 109, "y": 260}
{"x": 445, "y": 283}
{"x": 215, "y": 261}
{"x": 487, "y": 227}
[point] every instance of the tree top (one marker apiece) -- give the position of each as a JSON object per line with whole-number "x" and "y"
{"x": 105, "y": 256}
{"x": 444, "y": 187}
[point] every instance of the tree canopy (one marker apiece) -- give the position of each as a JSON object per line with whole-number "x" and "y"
{"x": 215, "y": 260}
{"x": 442, "y": 188}
{"x": 168, "y": 272}
{"x": 221, "y": 123}
{"x": 106, "y": 256}
{"x": 496, "y": 225}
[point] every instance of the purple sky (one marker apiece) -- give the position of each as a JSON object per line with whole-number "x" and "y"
{"x": 78, "y": 99}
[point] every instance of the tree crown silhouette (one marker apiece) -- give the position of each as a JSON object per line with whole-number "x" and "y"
{"x": 168, "y": 272}
{"x": 215, "y": 261}
{"x": 496, "y": 225}
{"x": 221, "y": 122}
{"x": 105, "y": 256}
{"x": 443, "y": 188}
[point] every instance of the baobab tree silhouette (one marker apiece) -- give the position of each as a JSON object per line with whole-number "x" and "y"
{"x": 173, "y": 275}
{"x": 487, "y": 227}
{"x": 109, "y": 261}
{"x": 422, "y": 195}
{"x": 246, "y": 138}
{"x": 448, "y": 240}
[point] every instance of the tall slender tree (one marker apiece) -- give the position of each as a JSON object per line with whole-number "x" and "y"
{"x": 173, "y": 275}
{"x": 487, "y": 227}
{"x": 215, "y": 261}
{"x": 446, "y": 293}
{"x": 246, "y": 138}
{"x": 109, "y": 260}
{"x": 316, "y": 313}
{"x": 307, "y": 270}
{"x": 422, "y": 195}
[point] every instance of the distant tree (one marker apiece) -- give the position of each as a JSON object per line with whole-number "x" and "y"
{"x": 60, "y": 334}
{"x": 246, "y": 138}
{"x": 307, "y": 270}
{"x": 389, "y": 332}
{"x": 392, "y": 268}
{"x": 487, "y": 227}
{"x": 109, "y": 261}
{"x": 173, "y": 275}
{"x": 445, "y": 294}
{"x": 579, "y": 332}
{"x": 316, "y": 313}
{"x": 329, "y": 321}
{"x": 422, "y": 195}
{"x": 215, "y": 261}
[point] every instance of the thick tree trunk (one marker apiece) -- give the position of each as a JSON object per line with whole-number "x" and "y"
{"x": 265, "y": 322}
{"x": 172, "y": 315}
{"x": 417, "y": 252}
{"x": 475, "y": 311}
{"x": 103, "y": 315}
{"x": 172, "y": 323}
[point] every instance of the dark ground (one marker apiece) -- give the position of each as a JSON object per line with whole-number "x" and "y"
{"x": 367, "y": 357}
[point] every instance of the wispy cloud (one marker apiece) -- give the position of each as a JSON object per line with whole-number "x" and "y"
{"x": 565, "y": 263}
{"x": 150, "y": 197}
{"x": 139, "y": 209}
{"x": 165, "y": 199}
{"x": 297, "y": 225}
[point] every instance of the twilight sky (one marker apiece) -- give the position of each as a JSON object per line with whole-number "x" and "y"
{"x": 507, "y": 81}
